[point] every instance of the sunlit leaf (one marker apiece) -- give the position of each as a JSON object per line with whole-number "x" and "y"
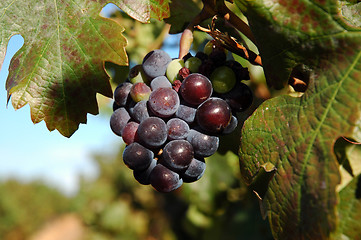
{"x": 60, "y": 68}
{"x": 143, "y": 10}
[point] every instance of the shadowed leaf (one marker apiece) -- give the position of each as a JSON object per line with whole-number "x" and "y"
{"x": 297, "y": 135}
{"x": 349, "y": 211}
{"x": 182, "y": 13}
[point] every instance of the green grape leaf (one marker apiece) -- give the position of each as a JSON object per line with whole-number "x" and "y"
{"x": 182, "y": 13}
{"x": 60, "y": 68}
{"x": 349, "y": 211}
{"x": 290, "y": 33}
{"x": 297, "y": 135}
{"x": 143, "y": 10}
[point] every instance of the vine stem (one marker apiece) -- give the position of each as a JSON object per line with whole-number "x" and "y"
{"x": 210, "y": 9}
{"x": 238, "y": 23}
{"x": 233, "y": 46}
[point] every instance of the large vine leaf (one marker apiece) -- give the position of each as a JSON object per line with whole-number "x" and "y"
{"x": 60, "y": 68}
{"x": 287, "y": 144}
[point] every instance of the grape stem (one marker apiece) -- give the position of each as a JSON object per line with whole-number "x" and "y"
{"x": 210, "y": 9}
{"x": 232, "y": 45}
{"x": 233, "y": 19}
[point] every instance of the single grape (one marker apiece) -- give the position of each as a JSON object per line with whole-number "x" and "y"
{"x": 196, "y": 88}
{"x": 223, "y": 79}
{"x": 231, "y": 126}
{"x": 164, "y": 179}
{"x": 193, "y": 64}
{"x": 208, "y": 48}
{"x": 129, "y": 133}
{"x": 160, "y": 82}
{"x": 139, "y": 111}
{"x": 241, "y": 72}
{"x": 186, "y": 113}
{"x": 140, "y": 91}
{"x": 195, "y": 170}
{"x": 173, "y": 69}
{"x": 203, "y": 145}
{"x": 164, "y": 102}
{"x": 136, "y": 74}
{"x": 239, "y": 98}
{"x": 118, "y": 120}
{"x": 177, "y": 155}
{"x": 152, "y": 132}
{"x": 213, "y": 115}
{"x": 206, "y": 68}
{"x": 155, "y": 63}
{"x": 218, "y": 56}
{"x": 142, "y": 176}
{"x": 202, "y": 56}
{"x": 177, "y": 129}
{"x": 121, "y": 94}
{"x": 182, "y": 74}
{"x": 137, "y": 157}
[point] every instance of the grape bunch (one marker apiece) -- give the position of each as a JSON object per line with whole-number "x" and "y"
{"x": 171, "y": 113}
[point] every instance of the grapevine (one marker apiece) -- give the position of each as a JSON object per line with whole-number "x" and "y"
{"x": 172, "y": 116}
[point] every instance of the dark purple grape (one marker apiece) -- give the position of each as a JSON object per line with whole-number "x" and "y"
{"x": 195, "y": 170}
{"x": 152, "y": 132}
{"x": 121, "y": 94}
{"x": 137, "y": 157}
{"x": 118, "y": 120}
{"x": 196, "y": 88}
{"x": 142, "y": 176}
{"x": 155, "y": 63}
{"x": 139, "y": 111}
{"x": 140, "y": 91}
{"x": 164, "y": 179}
{"x": 203, "y": 145}
{"x": 186, "y": 113}
{"x": 160, "y": 82}
{"x": 231, "y": 126}
{"x": 129, "y": 133}
{"x": 202, "y": 56}
{"x": 239, "y": 98}
{"x": 213, "y": 115}
{"x": 218, "y": 56}
{"x": 177, "y": 129}
{"x": 164, "y": 102}
{"x": 241, "y": 72}
{"x": 177, "y": 155}
{"x": 206, "y": 68}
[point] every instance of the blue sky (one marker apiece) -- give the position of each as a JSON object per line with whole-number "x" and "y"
{"x": 29, "y": 151}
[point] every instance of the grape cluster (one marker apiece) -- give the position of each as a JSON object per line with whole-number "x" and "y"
{"x": 171, "y": 113}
